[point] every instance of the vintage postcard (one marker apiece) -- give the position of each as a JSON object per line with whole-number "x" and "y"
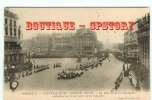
{"x": 76, "y": 53}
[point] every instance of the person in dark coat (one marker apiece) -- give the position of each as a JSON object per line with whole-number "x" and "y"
{"x": 54, "y": 66}
{"x": 123, "y": 67}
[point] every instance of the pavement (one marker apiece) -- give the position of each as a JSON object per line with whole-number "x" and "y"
{"x": 125, "y": 85}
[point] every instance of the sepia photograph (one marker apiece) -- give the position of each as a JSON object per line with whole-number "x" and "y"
{"x": 76, "y": 52}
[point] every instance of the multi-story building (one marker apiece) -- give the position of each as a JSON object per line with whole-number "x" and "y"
{"x": 60, "y": 44}
{"x": 12, "y": 39}
{"x": 37, "y": 45}
{"x": 143, "y": 40}
{"x": 131, "y": 44}
{"x": 84, "y": 42}
{"x": 41, "y": 42}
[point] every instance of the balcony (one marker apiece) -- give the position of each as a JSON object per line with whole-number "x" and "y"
{"x": 8, "y": 52}
{"x": 131, "y": 43}
{"x": 144, "y": 33}
{"x": 144, "y": 30}
{"x": 11, "y": 39}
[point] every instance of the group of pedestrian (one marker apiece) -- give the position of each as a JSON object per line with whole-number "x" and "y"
{"x": 124, "y": 73}
{"x": 127, "y": 73}
{"x": 106, "y": 56}
{"x": 118, "y": 81}
{"x": 69, "y": 73}
{"x": 39, "y": 68}
{"x": 13, "y": 72}
{"x": 119, "y": 56}
{"x": 87, "y": 65}
{"x": 56, "y": 65}
{"x": 92, "y": 64}
{"x": 78, "y": 71}
{"x": 12, "y": 75}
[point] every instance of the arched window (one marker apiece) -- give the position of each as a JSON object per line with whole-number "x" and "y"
{"x": 10, "y": 22}
{"x": 6, "y": 31}
{"x": 10, "y": 31}
{"x": 5, "y": 20}
{"x": 14, "y": 31}
{"x": 14, "y": 23}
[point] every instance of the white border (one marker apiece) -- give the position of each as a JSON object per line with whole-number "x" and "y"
{"x": 64, "y": 3}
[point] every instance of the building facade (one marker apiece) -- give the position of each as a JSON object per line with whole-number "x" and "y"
{"x": 37, "y": 45}
{"x": 143, "y": 40}
{"x": 84, "y": 42}
{"x": 13, "y": 53}
{"x": 41, "y": 42}
{"x": 131, "y": 45}
{"x": 60, "y": 44}
{"x": 140, "y": 45}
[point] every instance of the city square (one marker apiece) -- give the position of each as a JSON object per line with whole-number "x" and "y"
{"x": 101, "y": 78}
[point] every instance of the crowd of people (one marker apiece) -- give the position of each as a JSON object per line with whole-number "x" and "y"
{"x": 119, "y": 56}
{"x": 13, "y": 73}
{"x": 56, "y": 65}
{"x": 39, "y": 68}
{"x": 92, "y": 64}
{"x": 126, "y": 73}
{"x": 78, "y": 71}
{"x": 69, "y": 73}
{"x": 118, "y": 81}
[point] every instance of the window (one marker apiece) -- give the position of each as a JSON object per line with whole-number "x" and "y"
{"x": 19, "y": 33}
{"x": 14, "y": 32}
{"x": 10, "y": 31}
{"x": 6, "y": 31}
{"x": 5, "y": 20}
{"x": 14, "y": 23}
{"x": 10, "y": 22}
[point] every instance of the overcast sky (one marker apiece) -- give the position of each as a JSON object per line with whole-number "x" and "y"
{"x": 79, "y": 16}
